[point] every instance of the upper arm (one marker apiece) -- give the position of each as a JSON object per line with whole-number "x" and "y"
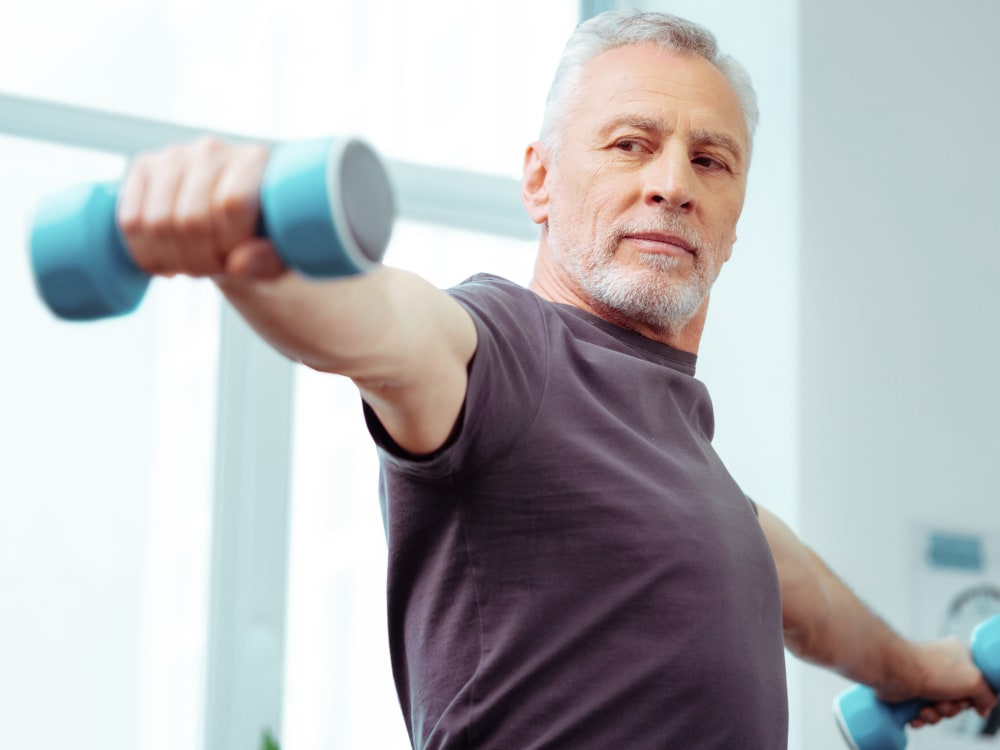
{"x": 405, "y": 343}
{"x": 804, "y": 598}
{"x": 785, "y": 546}
{"x": 418, "y": 386}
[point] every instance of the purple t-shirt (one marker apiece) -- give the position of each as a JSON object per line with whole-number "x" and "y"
{"x": 576, "y": 569}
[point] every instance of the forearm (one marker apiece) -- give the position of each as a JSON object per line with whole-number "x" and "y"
{"x": 367, "y": 327}
{"x": 405, "y": 343}
{"x": 827, "y": 624}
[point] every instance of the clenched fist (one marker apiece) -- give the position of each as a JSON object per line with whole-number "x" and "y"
{"x": 194, "y": 210}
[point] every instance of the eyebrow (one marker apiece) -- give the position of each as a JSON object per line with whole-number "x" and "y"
{"x": 698, "y": 136}
{"x": 714, "y": 138}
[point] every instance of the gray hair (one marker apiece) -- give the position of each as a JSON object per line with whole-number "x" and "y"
{"x": 619, "y": 28}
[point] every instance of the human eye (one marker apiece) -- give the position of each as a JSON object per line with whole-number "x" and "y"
{"x": 708, "y": 161}
{"x": 630, "y": 146}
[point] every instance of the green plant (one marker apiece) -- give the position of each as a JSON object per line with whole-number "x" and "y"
{"x": 267, "y": 742}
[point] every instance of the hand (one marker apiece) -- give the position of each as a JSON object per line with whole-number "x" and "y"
{"x": 193, "y": 210}
{"x": 947, "y": 675}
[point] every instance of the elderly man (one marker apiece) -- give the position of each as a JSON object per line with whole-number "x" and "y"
{"x": 570, "y": 564}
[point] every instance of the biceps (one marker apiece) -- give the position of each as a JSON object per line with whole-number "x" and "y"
{"x": 419, "y": 397}
{"x": 802, "y": 586}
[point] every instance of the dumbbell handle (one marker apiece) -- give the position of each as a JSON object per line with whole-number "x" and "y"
{"x": 326, "y": 206}
{"x": 859, "y": 704}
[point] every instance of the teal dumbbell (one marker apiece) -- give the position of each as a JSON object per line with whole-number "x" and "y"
{"x": 870, "y": 724}
{"x": 326, "y": 205}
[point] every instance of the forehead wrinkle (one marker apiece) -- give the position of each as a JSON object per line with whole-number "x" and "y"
{"x": 639, "y": 122}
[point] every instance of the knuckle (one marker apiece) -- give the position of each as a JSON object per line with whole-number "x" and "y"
{"x": 208, "y": 145}
{"x": 159, "y": 227}
{"x": 163, "y": 161}
{"x": 194, "y": 223}
{"x": 139, "y": 166}
{"x": 255, "y": 152}
{"x": 234, "y": 205}
{"x": 131, "y": 224}
{"x": 145, "y": 227}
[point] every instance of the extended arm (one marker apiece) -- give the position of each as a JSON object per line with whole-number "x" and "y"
{"x": 825, "y": 623}
{"x": 193, "y": 210}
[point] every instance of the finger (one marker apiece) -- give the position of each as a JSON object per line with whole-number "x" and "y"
{"x": 950, "y": 709}
{"x": 131, "y": 197}
{"x": 984, "y": 702}
{"x": 157, "y": 239}
{"x": 928, "y": 715}
{"x": 195, "y": 222}
{"x": 236, "y": 197}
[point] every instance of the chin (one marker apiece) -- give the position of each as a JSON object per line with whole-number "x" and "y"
{"x": 667, "y": 304}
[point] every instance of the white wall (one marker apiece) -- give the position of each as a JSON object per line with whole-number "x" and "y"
{"x": 900, "y": 257}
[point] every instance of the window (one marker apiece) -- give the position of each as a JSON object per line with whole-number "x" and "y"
{"x": 106, "y": 451}
{"x": 109, "y": 429}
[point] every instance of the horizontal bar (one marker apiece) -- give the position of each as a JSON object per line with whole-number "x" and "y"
{"x": 457, "y": 198}
{"x": 435, "y": 195}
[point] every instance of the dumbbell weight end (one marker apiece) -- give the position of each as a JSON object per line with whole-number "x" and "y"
{"x": 318, "y": 226}
{"x": 870, "y": 724}
{"x": 80, "y": 223}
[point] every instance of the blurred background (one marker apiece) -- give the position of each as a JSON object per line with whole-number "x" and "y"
{"x": 191, "y": 550}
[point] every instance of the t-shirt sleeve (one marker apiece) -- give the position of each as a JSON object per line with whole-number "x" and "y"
{"x": 507, "y": 376}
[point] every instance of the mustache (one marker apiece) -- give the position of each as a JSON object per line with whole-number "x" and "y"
{"x": 665, "y": 225}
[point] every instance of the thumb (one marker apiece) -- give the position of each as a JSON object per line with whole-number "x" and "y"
{"x": 254, "y": 259}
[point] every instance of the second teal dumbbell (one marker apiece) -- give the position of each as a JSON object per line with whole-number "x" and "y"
{"x": 870, "y": 724}
{"x": 326, "y": 205}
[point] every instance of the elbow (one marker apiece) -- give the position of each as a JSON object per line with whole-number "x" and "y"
{"x": 806, "y": 619}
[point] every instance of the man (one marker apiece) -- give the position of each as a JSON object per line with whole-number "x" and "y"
{"x": 571, "y": 566}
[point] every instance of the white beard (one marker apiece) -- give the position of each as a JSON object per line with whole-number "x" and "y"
{"x": 652, "y": 295}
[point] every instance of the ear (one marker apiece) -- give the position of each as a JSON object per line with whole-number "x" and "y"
{"x": 534, "y": 194}
{"x": 729, "y": 251}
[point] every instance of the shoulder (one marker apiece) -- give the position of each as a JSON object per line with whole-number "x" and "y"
{"x": 502, "y": 310}
{"x": 486, "y": 292}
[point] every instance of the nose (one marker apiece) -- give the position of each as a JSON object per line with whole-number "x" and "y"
{"x": 669, "y": 181}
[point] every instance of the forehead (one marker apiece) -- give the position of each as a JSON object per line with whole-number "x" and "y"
{"x": 685, "y": 92}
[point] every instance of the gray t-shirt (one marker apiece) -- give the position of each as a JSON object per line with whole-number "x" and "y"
{"x": 576, "y": 569}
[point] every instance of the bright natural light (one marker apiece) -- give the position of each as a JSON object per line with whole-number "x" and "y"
{"x": 105, "y": 491}
{"x": 110, "y": 428}
{"x": 144, "y": 459}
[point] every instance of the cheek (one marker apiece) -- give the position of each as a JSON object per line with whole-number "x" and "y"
{"x": 725, "y": 226}
{"x": 590, "y": 191}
